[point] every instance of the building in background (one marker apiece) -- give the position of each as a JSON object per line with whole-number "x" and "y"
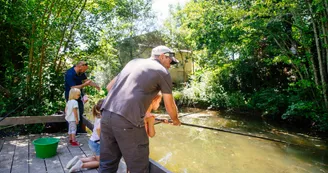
{"x": 141, "y": 46}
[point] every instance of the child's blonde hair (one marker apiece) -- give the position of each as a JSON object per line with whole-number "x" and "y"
{"x": 73, "y": 92}
{"x": 96, "y": 108}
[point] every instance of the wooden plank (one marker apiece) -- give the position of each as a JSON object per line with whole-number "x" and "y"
{"x": 53, "y": 165}
{"x": 66, "y": 152}
{"x": 87, "y": 122}
{"x": 6, "y": 156}
{"x": 35, "y": 164}
{"x": 21, "y": 157}
{"x": 76, "y": 150}
{"x": 63, "y": 153}
{"x": 1, "y": 143}
{"x": 85, "y": 145}
{"x": 32, "y": 120}
{"x": 154, "y": 167}
{"x": 83, "y": 139}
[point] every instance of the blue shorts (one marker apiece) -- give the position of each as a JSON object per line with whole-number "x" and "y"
{"x": 95, "y": 147}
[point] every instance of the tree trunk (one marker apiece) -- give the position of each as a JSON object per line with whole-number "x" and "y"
{"x": 41, "y": 69}
{"x": 30, "y": 61}
{"x": 321, "y": 66}
{"x": 184, "y": 67}
{"x": 314, "y": 69}
{"x": 71, "y": 34}
{"x": 43, "y": 47}
{"x": 56, "y": 67}
{"x": 323, "y": 42}
{"x": 324, "y": 26}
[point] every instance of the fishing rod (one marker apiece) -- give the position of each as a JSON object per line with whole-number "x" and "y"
{"x": 228, "y": 131}
{"x": 190, "y": 113}
{"x": 2, "y": 118}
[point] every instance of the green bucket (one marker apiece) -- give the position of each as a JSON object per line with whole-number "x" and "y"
{"x": 45, "y": 147}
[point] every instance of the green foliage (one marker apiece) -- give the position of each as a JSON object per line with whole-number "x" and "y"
{"x": 270, "y": 100}
{"x": 237, "y": 100}
{"x": 305, "y": 109}
{"x": 93, "y": 98}
{"x": 178, "y": 97}
{"x": 322, "y": 121}
{"x": 40, "y": 40}
{"x": 256, "y": 54}
{"x": 250, "y": 54}
{"x": 35, "y": 128}
{"x": 205, "y": 90}
{"x": 195, "y": 91}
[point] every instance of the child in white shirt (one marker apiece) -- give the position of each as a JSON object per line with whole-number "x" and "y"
{"x": 72, "y": 115}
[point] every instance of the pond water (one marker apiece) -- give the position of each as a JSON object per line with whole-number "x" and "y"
{"x": 187, "y": 149}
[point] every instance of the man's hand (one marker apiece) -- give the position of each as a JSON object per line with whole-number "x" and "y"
{"x": 171, "y": 108}
{"x": 87, "y": 82}
{"x": 167, "y": 121}
{"x": 76, "y": 121}
{"x": 94, "y": 85}
{"x": 176, "y": 122}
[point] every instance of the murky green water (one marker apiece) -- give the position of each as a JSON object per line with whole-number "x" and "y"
{"x": 187, "y": 149}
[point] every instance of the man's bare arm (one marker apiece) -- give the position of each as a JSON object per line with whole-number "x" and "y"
{"x": 171, "y": 108}
{"x": 111, "y": 83}
{"x": 94, "y": 85}
{"x": 86, "y": 83}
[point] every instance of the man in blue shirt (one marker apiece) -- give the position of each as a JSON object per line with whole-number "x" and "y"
{"x": 75, "y": 77}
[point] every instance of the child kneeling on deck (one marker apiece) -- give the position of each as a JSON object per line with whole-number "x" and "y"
{"x": 94, "y": 145}
{"x": 72, "y": 115}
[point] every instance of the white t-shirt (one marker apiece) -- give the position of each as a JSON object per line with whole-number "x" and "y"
{"x": 70, "y": 105}
{"x": 94, "y": 135}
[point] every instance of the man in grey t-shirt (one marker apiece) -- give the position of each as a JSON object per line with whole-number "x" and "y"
{"x": 130, "y": 95}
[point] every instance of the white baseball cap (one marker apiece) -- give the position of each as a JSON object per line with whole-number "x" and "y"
{"x": 165, "y": 50}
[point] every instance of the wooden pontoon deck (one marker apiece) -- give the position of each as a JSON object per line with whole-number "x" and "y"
{"x": 17, "y": 154}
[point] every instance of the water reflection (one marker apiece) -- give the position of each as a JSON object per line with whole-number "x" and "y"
{"x": 190, "y": 149}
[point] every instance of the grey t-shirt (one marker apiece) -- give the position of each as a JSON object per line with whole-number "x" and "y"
{"x": 135, "y": 87}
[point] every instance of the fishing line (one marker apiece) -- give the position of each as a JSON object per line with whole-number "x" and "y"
{"x": 2, "y": 118}
{"x": 230, "y": 131}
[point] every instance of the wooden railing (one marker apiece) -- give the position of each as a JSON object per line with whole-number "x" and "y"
{"x": 41, "y": 119}
{"x": 32, "y": 120}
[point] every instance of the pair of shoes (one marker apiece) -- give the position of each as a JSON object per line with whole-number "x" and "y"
{"x": 77, "y": 166}
{"x": 72, "y": 162}
{"x": 75, "y": 143}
